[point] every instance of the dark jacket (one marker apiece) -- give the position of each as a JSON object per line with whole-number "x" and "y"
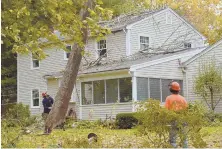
{"x": 47, "y": 102}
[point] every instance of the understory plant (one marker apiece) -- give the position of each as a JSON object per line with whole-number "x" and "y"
{"x": 155, "y": 123}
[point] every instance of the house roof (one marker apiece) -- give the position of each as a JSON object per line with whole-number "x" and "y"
{"x": 201, "y": 53}
{"x": 127, "y": 20}
{"x": 123, "y": 20}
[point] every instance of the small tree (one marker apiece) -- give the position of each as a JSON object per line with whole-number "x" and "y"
{"x": 208, "y": 84}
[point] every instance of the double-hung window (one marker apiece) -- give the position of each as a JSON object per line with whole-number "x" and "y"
{"x": 102, "y": 48}
{"x": 144, "y": 43}
{"x": 35, "y": 62}
{"x": 35, "y": 98}
{"x": 67, "y": 52}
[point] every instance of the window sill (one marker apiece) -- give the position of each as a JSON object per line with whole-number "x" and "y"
{"x": 36, "y": 68}
{"x": 35, "y": 107}
{"x": 108, "y": 104}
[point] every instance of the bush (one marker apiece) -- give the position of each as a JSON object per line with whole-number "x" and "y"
{"x": 156, "y": 123}
{"x": 85, "y": 124}
{"x": 126, "y": 120}
{"x": 18, "y": 115}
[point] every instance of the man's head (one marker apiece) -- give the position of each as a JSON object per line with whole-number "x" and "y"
{"x": 44, "y": 95}
{"x": 174, "y": 87}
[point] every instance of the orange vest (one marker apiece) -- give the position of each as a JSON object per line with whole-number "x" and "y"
{"x": 175, "y": 102}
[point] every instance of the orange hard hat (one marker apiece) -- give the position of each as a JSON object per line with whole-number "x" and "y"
{"x": 175, "y": 86}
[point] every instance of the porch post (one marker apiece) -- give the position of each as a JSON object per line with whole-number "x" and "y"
{"x": 134, "y": 92}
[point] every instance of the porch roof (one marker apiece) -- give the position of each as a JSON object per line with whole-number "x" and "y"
{"x": 126, "y": 62}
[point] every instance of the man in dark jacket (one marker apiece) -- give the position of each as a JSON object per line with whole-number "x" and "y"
{"x": 47, "y": 104}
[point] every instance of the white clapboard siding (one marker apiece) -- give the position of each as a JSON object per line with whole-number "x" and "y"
{"x": 165, "y": 70}
{"x": 159, "y": 32}
{"x": 193, "y": 68}
{"x": 95, "y": 112}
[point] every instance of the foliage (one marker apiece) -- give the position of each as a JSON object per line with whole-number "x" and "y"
{"x": 126, "y": 120}
{"x": 210, "y": 10}
{"x": 15, "y": 123}
{"x": 31, "y": 26}
{"x": 156, "y": 122}
{"x": 8, "y": 75}
{"x": 18, "y": 115}
{"x": 208, "y": 84}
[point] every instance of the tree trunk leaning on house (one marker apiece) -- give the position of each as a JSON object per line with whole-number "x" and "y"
{"x": 63, "y": 96}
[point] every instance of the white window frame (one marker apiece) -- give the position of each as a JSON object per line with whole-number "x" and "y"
{"x": 187, "y": 43}
{"x": 143, "y": 35}
{"x": 97, "y": 50}
{"x": 171, "y": 20}
{"x": 32, "y": 59}
{"x": 65, "y": 53}
{"x": 32, "y": 98}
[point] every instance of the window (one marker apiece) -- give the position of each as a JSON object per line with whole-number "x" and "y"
{"x": 142, "y": 88}
{"x": 155, "y": 88}
{"x": 144, "y": 43}
{"x": 99, "y": 92}
{"x": 35, "y": 98}
{"x": 187, "y": 45}
{"x": 125, "y": 87}
{"x": 101, "y": 48}
{"x": 168, "y": 18}
{"x": 111, "y": 91}
{"x": 67, "y": 52}
{"x": 86, "y": 89}
{"x": 35, "y": 62}
{"x": 106, "y": 91}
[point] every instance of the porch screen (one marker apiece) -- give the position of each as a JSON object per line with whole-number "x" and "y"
{"x": 125, "y": 87}
{"x": 111, "y": 91}
{"x": 86, "y": 93}
{"x": 99, "y": 92}
{"x": 155, "y": 88}
{"x": 142, "y": 88}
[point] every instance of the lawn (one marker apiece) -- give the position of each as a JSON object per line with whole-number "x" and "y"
{"x": 107, "y": 138}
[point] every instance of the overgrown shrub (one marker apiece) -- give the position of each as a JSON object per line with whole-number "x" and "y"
{"x": 14, "y": 123}
{"x": 18, "y": 115}
{"x": 85, "y": 124}
{"x": 156, "y": 122}
{"x": 126, "y": 120}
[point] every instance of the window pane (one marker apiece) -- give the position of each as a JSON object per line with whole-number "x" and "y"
{"x": 111, "y": 91}
{"x": 35, "y": 93}
{"x": 125, "y": 86}
{"x": 35, "y": 63}
{"x": 155, "y": 88}
{"x": 36, "y": 102}
{"x": 86, "y": 93}
{"x": 67, "y": 55}
{"x": 165, "y": 88}
{"x": 35, "y": 97}
{"x": 142, "y": 88}
{"x": 102, "y": 44}
{"x": 99, "y": 92}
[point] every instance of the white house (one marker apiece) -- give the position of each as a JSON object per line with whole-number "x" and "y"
{"x": 139, "y": 58}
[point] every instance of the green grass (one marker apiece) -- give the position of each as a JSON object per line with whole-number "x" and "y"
{"x": 77, "y": 138}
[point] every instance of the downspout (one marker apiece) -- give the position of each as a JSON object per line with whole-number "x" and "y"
{"x": 127, "y": 32}
{"x": 184, "y": 71}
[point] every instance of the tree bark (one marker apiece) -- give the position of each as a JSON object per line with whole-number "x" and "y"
{"x": 212, "y": 99}
{"x": 63, "y": 96}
